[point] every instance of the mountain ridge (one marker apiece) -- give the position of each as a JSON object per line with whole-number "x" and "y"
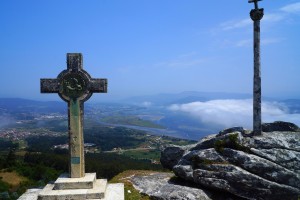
{"x": 187, "y": 97}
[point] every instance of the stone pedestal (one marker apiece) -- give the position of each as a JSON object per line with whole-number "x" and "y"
{"x": 87, "y": 187}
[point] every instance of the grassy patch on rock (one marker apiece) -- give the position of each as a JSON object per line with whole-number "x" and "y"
{"x": 130, "y": 192}
{"x": 230, "y": 142}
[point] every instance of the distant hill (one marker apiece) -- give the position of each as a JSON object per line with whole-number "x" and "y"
{"x": 293, "y": 105}
{"x": 18, "y": 105}
{"x": 184, "y": 97}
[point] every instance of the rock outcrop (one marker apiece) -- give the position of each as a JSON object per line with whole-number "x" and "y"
{"x": 250, "y": 167}
{"x": 164, "y": 186}
{"x": 161, "y": 186}
{"x": 279, "y": 126}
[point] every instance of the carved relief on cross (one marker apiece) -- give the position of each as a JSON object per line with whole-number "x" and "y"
{"x": 74, "y": 85}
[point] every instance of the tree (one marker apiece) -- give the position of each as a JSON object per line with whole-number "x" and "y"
{"x": 11, "y": 158}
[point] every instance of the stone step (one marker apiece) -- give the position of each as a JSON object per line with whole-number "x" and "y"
{"x": 114, "y": 191}
{"x": 98, "y": 192}
{"x": 64, "y": 182}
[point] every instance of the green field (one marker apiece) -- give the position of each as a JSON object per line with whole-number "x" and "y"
{"x": 33, "y": 158}
{"x": 130, "y": 120}
{"x": 153, "y": 154}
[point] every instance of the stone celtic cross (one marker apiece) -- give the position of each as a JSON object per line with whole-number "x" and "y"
{"x": 74, "y": 85}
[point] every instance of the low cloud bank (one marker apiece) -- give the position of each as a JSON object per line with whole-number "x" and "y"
{"x": 146, "y": 104}
{"x": 6, "y": 120}
{"x": 231, "y": 112}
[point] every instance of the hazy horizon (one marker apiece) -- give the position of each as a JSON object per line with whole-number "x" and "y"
{"x": 113, "y": 99}
{"x": 197, "y": 116}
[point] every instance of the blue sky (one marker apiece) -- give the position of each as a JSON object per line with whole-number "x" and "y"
{"x": 149, "y": 46}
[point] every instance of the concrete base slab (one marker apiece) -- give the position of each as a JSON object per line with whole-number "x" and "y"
{"x": 113, "y": 192}
{"x": 98, "y": 192}
{"x": 85, "y": 188}
{"x": 64, "y": 182}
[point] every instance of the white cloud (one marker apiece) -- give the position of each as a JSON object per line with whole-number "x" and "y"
{"x": 6, "y": 120}
{"x": 249, "y": 42}
{"x": 291, "y": 8}
{"x": 244, "y": 43}
{"x": 273, "y": 17}
{"x": 229, "y": 113}
{"x": 147, "y": 104}
{"x": 268, "y": 18}
{"x": 236, "y": 24}
{"x": 183, "y": 61}
{"x": 271, "y": 41}
{"x": 187, "y": 55}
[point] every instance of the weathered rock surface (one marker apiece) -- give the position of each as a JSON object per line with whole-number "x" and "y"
{"x": 258, "y": 167}
{"x": 279, "y": 126}
{"x": 157, "y": 186}
{"x": 171, "y": 156}
{"x": 163, "y": 186}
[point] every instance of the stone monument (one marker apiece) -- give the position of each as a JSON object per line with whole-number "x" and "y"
{"x": 74, "y": 85}
{"x": 256, "y": 15}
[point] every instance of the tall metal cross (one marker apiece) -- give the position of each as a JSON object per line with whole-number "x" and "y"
{"x": 74, "y": 85}
{"x": 256, "y": 15}
{"x": 255, "y": 3}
